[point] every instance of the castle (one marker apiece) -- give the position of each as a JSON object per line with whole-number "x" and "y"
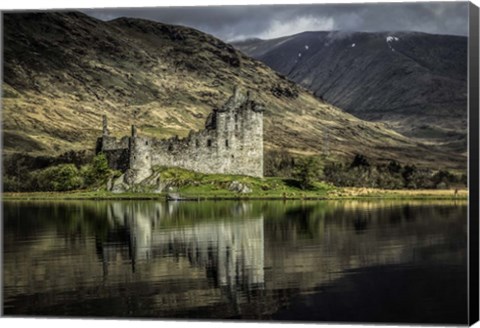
{"x": 231, "y": 143}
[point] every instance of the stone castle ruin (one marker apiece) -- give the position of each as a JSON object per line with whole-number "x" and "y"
{"x": 231, "y": 143}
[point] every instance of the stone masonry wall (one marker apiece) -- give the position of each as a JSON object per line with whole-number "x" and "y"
{"x": 116, "y": 151}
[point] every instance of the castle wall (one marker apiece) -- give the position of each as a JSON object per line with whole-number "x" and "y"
{"x": 116, "y": 151}
{"x": 234, "y": 146}
{"x": 111, "y": 143}
{"x": 118, "y": 159}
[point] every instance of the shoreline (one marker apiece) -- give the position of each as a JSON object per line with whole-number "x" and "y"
{"x": 338, "y": 194}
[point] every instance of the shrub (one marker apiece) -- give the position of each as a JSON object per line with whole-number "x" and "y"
{"x": 417, "y": 178}
{"x": 360, "y": 160}
{"x": 11, "y": 184}
{"x": 360, "y": 173}
{"x": 96, "y": 172}
{"x": 178, "y": 177}
{"x": 62, "y": 177}
{"x": 443, "y": 179}
{"x": 394, "y": 167}
{"x": 279, "y": 164}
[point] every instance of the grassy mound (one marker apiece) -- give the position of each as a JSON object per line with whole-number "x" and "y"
{"x": 193, "y": 184}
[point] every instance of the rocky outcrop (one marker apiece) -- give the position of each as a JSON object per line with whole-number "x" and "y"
{"x": 239, "y": 187}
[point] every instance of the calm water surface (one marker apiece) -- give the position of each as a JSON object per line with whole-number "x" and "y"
{"x": 324, "y": 261}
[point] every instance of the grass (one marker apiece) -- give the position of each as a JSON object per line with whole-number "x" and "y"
{"x": 358, "y": 193}
{"x": 198, "y": 186}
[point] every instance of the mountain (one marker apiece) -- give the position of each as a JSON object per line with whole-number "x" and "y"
{"x": 64, "y": 70}
{"x": 414, "y": 82}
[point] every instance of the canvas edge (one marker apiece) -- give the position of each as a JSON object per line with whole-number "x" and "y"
{"x": 473, "y": 165}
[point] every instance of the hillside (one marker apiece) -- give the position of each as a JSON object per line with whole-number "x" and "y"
{"x": 62, "y": 71}
{"x": 414, "y": 82}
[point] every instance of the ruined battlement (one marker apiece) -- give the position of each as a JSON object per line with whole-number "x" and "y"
{"x": 231, "y": 143}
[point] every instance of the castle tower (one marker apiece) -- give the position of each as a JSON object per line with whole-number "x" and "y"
{"x": 140, "y": 158}
{"x": 105, "y": 131}
{"x": 239, "y": 135}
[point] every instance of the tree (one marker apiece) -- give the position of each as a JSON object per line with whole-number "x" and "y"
{"x": 360, "y": 160}
{"x": 443, "y": 179}
{"x": 97, "y": 171}
{"x": 279, "y": 163}
{"x": 394, "y": 167}
{"x": 62, "y": 177}
{"x": 408, "y": 173}
{"x": 308, "y": 171}
{"x": 420, "y": 179}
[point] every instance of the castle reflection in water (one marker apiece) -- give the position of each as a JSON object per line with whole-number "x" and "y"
{"x": 230, "y": 251}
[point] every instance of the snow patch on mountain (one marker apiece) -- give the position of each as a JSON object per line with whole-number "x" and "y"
{"x": 392, "y": 38}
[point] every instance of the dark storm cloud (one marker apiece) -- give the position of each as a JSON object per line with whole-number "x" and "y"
{"x": 270, "y": 21}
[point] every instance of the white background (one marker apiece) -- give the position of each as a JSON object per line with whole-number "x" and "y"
{"x": 77, "y": 323}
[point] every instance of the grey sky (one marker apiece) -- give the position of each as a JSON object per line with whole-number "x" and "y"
{"x": 270, "y": 21}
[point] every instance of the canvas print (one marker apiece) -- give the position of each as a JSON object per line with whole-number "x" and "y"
{"x": 300, "y": 163}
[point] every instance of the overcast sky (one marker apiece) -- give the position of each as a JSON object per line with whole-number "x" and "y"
{"x": 270, "y": 21}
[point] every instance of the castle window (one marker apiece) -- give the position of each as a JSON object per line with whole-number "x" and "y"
{"x": 170, "y": 147}
{"x": 226, "y": 143}
{"x": 146, "y": 143}
{"x": 209, "y": 143}
{"x": 236, "y": 117}
{"x": 197, "y": 143}
{"x": 233, "y": 157}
